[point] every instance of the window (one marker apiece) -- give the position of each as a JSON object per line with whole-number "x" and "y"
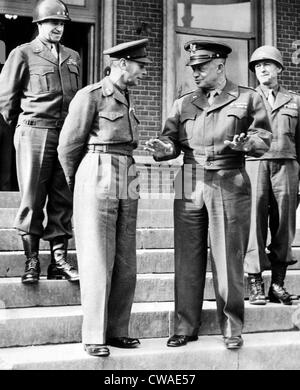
{"x": 225, "y": 15}
{"x": 230, "y": 21}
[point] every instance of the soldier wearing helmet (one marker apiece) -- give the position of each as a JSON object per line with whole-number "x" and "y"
{"x": 37, "y": 83}
{"x": 275, "y": 179}
{"x": 214, "y": 126}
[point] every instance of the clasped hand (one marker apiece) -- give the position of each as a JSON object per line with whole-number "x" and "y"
{"x": 239, "y": 143}
{"x": 158, "y": 148}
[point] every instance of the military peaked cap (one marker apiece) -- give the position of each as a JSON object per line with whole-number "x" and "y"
{"x": 205, "y": 51}
{"x": 133, "y": 51}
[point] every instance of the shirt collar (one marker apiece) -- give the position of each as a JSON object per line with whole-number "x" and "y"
{"x": 266, "y": 90}
{"x": 217, "y": 91}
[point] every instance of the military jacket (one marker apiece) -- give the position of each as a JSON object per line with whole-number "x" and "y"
{"x": 99, "y": 114}
{"x": 285, "y": 123}
{"x": 36, "y": 84}
{"x": 199, "y": 130}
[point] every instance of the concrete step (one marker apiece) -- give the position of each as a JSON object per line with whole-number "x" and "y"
{"x": 148, "y": 261}
{"x": 147, "y": 218}
{"x": 146, "y": 239}
{"x": 150, "y": 288}
{"x": 267, "y": 351}
{"x": 57, "y": 325}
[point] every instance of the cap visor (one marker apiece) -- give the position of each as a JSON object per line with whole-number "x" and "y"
{"x": 197, "y": 62}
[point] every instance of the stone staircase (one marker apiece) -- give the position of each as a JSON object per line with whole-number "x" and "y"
{"x": 40, "y": 326}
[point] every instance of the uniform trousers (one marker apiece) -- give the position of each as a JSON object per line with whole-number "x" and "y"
{"x": 105, "y": 213}
{"x": 41, "y": 180}
{"x": 214, "y": 202}
{"x": 274, "y": 204}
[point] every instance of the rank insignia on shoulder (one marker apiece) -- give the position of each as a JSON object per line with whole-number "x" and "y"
{"x": 37, "y": 50}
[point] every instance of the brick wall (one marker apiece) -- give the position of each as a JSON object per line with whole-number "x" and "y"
{"x": 288, "y": 22}
{"x": 131, "y": 15}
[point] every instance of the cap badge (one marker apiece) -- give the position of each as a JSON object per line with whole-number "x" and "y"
{"x": 193, "y": 48}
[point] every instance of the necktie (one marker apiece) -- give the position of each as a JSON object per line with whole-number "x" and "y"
{"x": 211, "y": 97}
{"x": 54, "y": 50}
{"x": 271, "y": 98}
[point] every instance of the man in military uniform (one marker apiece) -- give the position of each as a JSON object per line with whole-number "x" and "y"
{"x": 274, "y": 178}
{"x": 96, "y": 145}
{"x": 37, "y": 83}
{"x": 214, "y": 126}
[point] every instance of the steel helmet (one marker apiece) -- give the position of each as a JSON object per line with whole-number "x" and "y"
{"x": 266, "y": 53}
{"x": 50, "y": 9}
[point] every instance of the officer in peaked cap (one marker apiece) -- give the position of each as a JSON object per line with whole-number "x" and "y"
{"x": 214, "y": 126}
{"x": 95, "y": 150}
{"x": 205, "y": 51}
{"x": 37, "y": 83}
{"x": 133, "y": 51}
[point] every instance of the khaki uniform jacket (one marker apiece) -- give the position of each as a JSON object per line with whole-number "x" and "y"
{"x": 285, "y": 123}
{"x": 199, "y": 130}
{"x": 98, "y": 115}
{"x": 33, "y": 83}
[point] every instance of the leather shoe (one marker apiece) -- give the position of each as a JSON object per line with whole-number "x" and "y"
{"x": 233, "y": 342}
{"x": 123, "y": 342}
{"x": 180, "y": 340}
{"x": 96, "y": 350}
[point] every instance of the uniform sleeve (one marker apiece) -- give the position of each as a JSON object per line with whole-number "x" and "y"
{"x": 11, "y": 85}
{"x": 78, "y": 59}
{"x": 259, "y": 132}
{"x": 74, "y": 134}
{"x": 170, "y": 132}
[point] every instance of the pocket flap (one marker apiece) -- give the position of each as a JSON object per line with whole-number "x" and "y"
{"x": 73, "y": 68}
{"x": 289, "y": 112}
{"x": 237, "y": 112}
{"x": 42, "y": 71}
{"x": 112, "y": 116}
{"x": 185, "y": 116}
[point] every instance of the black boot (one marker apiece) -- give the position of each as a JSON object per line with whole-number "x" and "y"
{"x": 59, "y": 267}
{"x": 277, "y": 292}
{"x": 32, "y": 265}
{"x": 257, "y": 289}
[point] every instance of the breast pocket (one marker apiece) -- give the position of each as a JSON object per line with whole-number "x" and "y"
{"x": 42, "y": 79}
{"x": 289, "y": 121}
{"x": 186, "y": 129}
{"x": 235, "y": 122}
{"x": 113, "y": 127}
{"x": 74, "y": 77}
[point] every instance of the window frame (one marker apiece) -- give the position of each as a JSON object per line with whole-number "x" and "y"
{"x": 263, "y": 33}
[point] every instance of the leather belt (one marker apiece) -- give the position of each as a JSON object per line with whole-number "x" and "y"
{"x": 122, "y": 149}
{"x": 46, "y": 123}
{"x": 226, "y": 163}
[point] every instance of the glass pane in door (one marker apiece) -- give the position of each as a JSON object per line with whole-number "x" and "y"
{"x": 228, "y": 15}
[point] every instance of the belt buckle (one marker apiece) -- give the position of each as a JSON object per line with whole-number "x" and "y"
{"x": 105, "y": 148}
